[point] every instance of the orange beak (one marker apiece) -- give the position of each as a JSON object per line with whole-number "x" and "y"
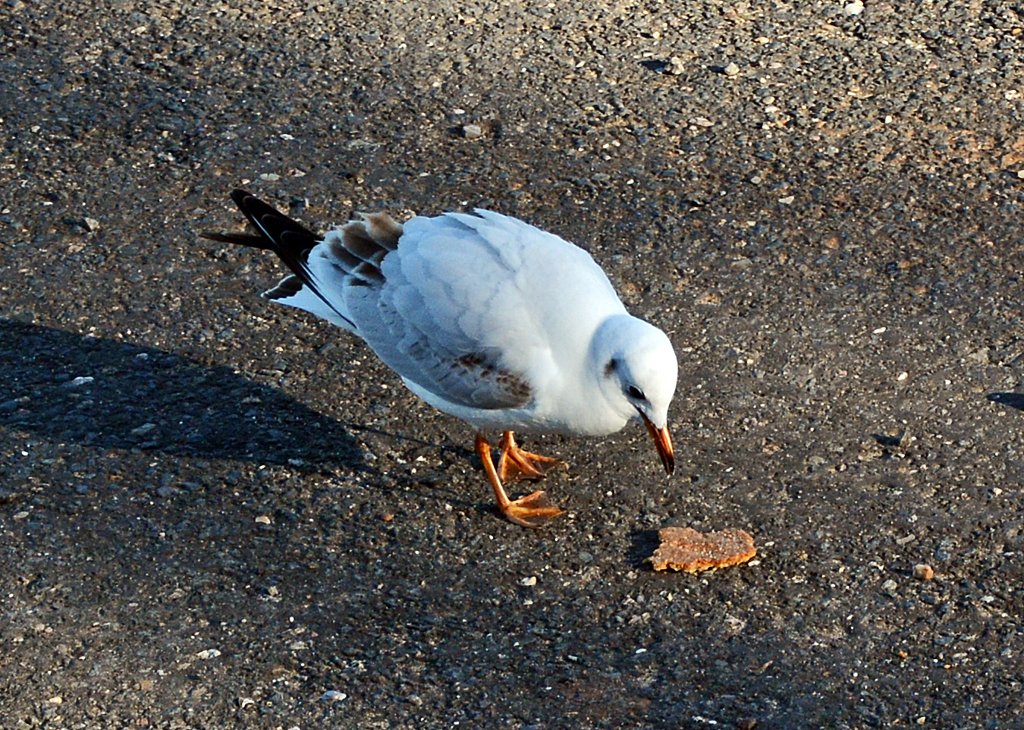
{"x": 662, "y": 442}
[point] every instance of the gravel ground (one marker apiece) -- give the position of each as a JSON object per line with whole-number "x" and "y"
{"x": 215, "y": 512}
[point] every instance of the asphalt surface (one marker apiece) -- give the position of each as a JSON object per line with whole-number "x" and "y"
{"x": 215, "y": 512}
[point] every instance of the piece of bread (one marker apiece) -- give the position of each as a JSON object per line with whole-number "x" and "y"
{"x": 683, "y": 548}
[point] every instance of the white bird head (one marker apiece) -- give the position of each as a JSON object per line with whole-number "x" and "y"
{"x": 637, "y": 374}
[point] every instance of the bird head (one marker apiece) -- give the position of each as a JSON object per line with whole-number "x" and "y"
{"x": 638, "y": 371}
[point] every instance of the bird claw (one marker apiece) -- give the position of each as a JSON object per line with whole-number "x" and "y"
{"x": 516, "y": 464}
{"x": 533, "y": 510}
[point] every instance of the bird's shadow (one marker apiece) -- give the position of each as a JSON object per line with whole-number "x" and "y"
{"x": 1014, "y": 400}
{"x": 67, "y": 387}
{"x": 643, "y": 543}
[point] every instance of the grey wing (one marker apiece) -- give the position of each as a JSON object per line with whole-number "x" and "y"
{"x": 450, "y": 315}
{"x": 456, "y": 368}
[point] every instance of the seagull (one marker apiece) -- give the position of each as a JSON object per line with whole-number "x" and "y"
{"x": 486, "y": 318}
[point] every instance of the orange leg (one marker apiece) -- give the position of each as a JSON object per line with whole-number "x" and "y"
{"x": 533, "y": 510}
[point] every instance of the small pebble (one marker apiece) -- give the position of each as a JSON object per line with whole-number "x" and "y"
{"x": 472, "y": 131}
{"x": 746, "y": 723}
{"x": 263, "y": 520}
{"x": 531, "y": 581}
{"x": 270, "y": 177}
{"x": 675, "y": 66}
{"x": 732, "y": 69}
{"x": 333, "y": 695}
{"x": 209, "y": 654}
{"x": 923, "y": 571}
{"x": 854, "y": 8}
{"x": 91, "y": 224}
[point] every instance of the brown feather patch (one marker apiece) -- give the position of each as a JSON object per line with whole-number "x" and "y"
{"x": 480, "y": 367}
{"x": 364, "y": 243}
{"x": 383, "y": 229}
{"x": 358, "y": 242}
{"x": 348, "y": 261}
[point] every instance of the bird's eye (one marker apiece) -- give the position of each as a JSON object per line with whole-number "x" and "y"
{"x": 611, "y": 367}
{"x": 635, "y": 392}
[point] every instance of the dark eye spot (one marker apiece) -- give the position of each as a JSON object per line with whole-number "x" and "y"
{"x": 635, "y": 392}
{"x": 611, "y": 367}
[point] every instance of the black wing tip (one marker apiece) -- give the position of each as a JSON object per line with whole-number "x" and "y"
{"x": 239, "y": 239}
{"x": 288, "y": 238}
{"x": 239, "y": 195}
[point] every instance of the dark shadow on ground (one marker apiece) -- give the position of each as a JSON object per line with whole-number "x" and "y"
{"x": 1014, "y": 400}
{"x": 67, "y": 387}
{"x": 643, "y": 543}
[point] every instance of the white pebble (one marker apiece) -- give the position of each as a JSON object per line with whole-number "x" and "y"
{"x": 856, "y": 7}
{"x": 209, "y": 654}
{"x": 531, "y": 581}
{"x": 333, "y": 695}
